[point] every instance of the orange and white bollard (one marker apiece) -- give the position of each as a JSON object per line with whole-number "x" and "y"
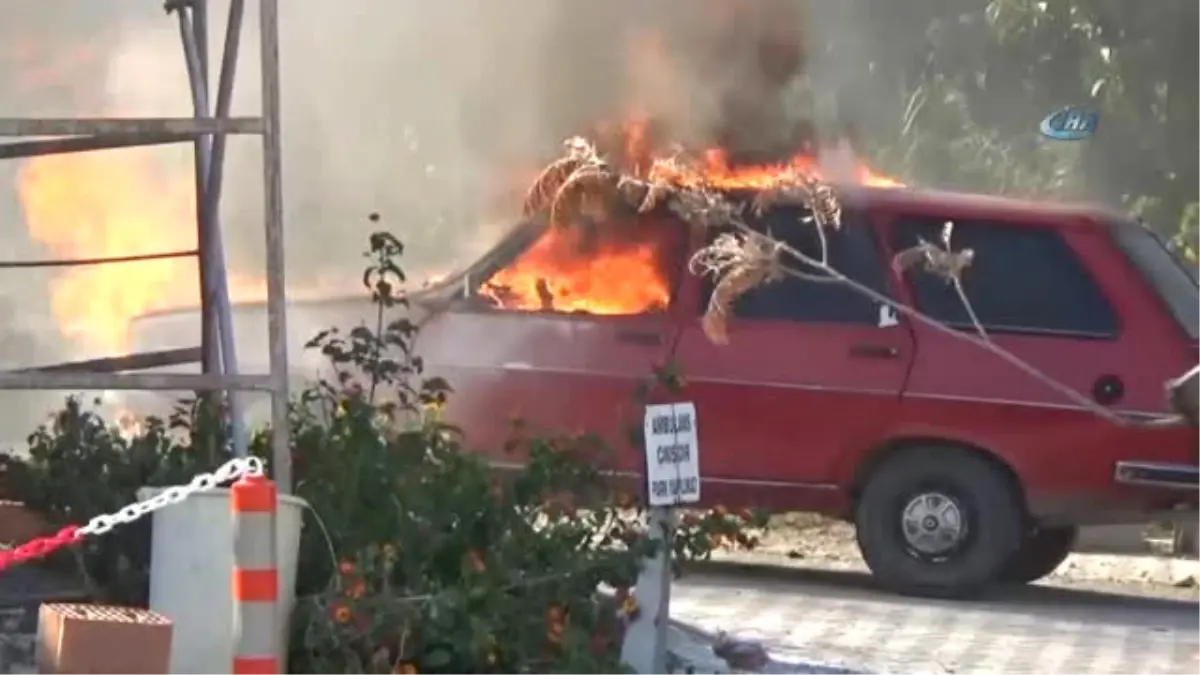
{"x": 255, "y": 577}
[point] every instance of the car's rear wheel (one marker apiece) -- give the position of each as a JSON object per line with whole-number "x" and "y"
{"x": 938, "y": 522}
{"x": 1041, "y": 552}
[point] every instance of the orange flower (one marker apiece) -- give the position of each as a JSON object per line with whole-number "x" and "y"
{"x": 746, "y": 514}
{"x": 341, "y": 613}
{"x": 405, "y": 669}
{"x": 624, "y": 501}
{"x": 720, "y": 511}
{"x": 358, "y": 590}
{"x": 346, "y": 567}
{"x": 690, "y": 519}
{"x": 554, "y": 632}
{"x": 475, "y": 560}
{"x": 554, "y": 613}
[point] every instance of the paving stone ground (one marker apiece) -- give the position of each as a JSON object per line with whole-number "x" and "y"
{"x": 837, "y": 618}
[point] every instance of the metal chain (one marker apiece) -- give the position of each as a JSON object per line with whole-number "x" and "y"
{"x": 233, "y": 469}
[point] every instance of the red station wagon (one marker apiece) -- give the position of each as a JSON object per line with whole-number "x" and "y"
{"x": 958, "y": 469}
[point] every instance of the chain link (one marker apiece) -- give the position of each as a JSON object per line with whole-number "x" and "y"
{"x": 233, "y": 469}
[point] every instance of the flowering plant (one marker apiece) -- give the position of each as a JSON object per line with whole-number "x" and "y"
{"x": 430, "y": 561}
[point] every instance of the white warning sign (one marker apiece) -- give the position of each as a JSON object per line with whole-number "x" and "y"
{"x": 672, "y": 455}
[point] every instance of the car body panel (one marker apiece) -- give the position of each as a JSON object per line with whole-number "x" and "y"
{"x": 788, "y": 419}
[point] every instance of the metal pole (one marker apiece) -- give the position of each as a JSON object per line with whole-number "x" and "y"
{"x": 200, "y": 28}
{"x": 268, "y": 23}
{"x": 109, "y": 126}
{"x": 116, "y": 364}
{"x": 212, "y": 247}
{"x": 210, "y": 346}
{"x": 58, "y": 146}
{"x": 645, "y": 646}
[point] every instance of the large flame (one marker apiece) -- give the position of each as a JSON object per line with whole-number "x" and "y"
{"x": 108, "y": 204}
{"x": 128, "y": 202}
{"x": 123, "y": 203}
{"x": 621, "y": 271}
{"x": 715, "y": 170}
{"x": 629, "y": 271}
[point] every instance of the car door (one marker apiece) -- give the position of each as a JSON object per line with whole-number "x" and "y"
{"x": 813, "y": 368}
{"x": 1037, "y": 297}
{"x": 557, "y": 371}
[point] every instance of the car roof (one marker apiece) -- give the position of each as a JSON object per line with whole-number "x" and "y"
{"x": 972, "y": 205}
{"x": 941, "y": 203}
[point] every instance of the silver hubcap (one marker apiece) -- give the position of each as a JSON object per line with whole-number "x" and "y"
{"x": 933, "y": 523}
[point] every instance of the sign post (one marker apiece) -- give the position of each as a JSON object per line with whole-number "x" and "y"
{"x": 672, "y": 479}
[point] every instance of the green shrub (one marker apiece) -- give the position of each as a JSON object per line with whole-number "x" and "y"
{"x": 78, "y": 466}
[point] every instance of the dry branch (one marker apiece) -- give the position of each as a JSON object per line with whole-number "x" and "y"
{"x": 739, "y": 263}
{"x": 582, "y": 184}
{"x": 941, "y": 261}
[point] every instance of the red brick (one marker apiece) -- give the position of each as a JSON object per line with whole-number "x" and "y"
{"x": 76, "y": 638}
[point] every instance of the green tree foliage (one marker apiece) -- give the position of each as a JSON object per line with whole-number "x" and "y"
{"x": 949, "y": 94}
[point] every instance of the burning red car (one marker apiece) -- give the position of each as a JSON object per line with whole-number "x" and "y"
{"x": 958, "y": 468}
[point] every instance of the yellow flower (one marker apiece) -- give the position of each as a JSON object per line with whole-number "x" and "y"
{"x": 629, "y": 606}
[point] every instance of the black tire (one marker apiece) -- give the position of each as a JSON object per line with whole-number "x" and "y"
{"x": 1040, "y": 553}
{"x": 990, "y": 516}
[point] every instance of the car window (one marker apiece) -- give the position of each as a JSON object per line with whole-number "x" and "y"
{"x": 1024, "y": 279}
{"x": 1170, "y": 278}
{"x": 620, "y": 267}
{"x": 852, "y": 250}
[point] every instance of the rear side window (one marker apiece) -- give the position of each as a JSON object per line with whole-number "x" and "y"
{"x": 1024, "y": 279}
{"x": 1171, "y": 280}
{"x": 853, "y": 251}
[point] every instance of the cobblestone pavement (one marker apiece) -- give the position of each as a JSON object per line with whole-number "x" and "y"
{"x": 836, "y": 618}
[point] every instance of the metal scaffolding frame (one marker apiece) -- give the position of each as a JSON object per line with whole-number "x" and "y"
{"x": 208, "y": 130}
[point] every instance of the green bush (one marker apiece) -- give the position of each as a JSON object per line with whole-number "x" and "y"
{"x": 78, "y": 466}
{"x": 421, "y": 557}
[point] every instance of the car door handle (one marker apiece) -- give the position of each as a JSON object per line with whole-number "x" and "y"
{"x": 873, "y": 351}
{"x": 639, "y": 338}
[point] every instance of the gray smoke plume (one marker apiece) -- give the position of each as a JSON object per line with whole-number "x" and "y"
{"x": 434, "y": 114}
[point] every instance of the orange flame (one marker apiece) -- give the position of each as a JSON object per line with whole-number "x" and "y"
{"x": 564, "y": 272}
{"x": 716, "y": 171}
{"x": 108, "y": 204}
{"x": 624, "y": 276}
{"x": 113, "y": 204}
